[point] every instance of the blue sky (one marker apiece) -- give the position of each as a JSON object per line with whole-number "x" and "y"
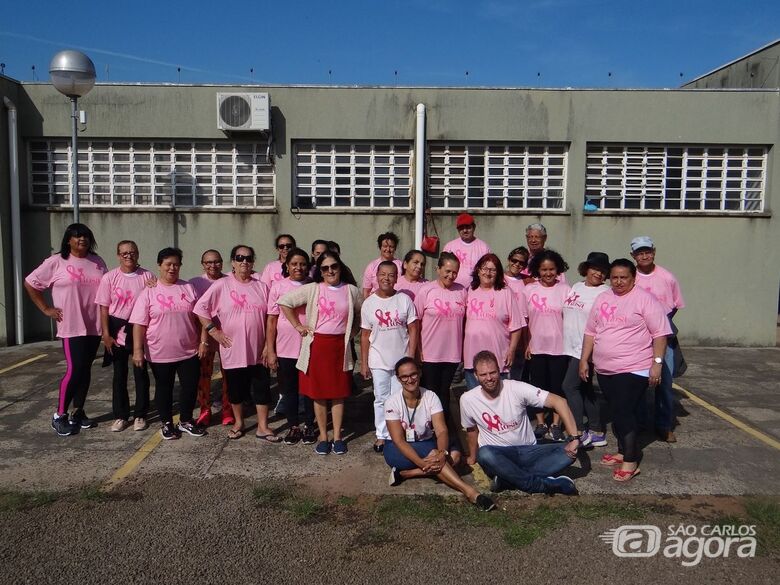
{"x": 532, "y": 43}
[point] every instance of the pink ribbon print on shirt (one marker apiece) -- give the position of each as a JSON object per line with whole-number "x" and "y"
{"x": 539, "y": 303}
{"x": 495, "y": 424}
{"x": 239, "y": 302}
{"x": 165, "y": 302}
{"x": 385, "y": 320}
{"x": 327, "y": 308}
{"x": 123, "y": 297}
{"x": 443, "y": 308}
{"x": 75, "y": 274}
{"x": 607, "y": 312}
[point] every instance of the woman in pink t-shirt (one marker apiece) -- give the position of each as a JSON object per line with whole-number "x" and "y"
{"x": 166, "y": 334}
{"x": 412, "y": 270}
{"x": 325, "y": 363}
{"x": 233, "y": 312}
{"x": 283, "y": 346}
{"x": 273, "y": 270}
{"x": 116, "y": 295}
{"x": 626, "y": 336}
{"x": 545, "y": 359}
{"x": 73, "y": 275}
{"x": 387, "y": 243}
{"x": 494, "y": 318}
{"x": 517, "y": 262}
{"x": 441, "y": 309}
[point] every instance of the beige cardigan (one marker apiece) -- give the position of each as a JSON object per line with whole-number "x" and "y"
{"x": 308, "y": 295}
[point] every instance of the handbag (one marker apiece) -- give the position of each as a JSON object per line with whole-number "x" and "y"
{"x": 430, "y": 244}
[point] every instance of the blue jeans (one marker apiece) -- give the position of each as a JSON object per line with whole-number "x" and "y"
{"x": 524, "y": 466}
{"x": 394, "y": 457}
{"x": 664, "y": 395}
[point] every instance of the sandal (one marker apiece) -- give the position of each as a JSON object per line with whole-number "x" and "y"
{"x": 234, "y": 434}
{"x": 271, "y": 438}
{"x": 624, "y": 474}
{"x": 610, "y": 460}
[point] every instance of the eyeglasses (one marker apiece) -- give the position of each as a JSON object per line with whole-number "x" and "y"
{"x": 484, "y": 270}
{"x": 330, "y": 267}
{"x": 241, "y": 258}
{"x": 212, "y": 262}
{"x": 518, "y": 261}
{"x": 284, "y": 247}
{"x": 127, "y": 254}
{"x": 409, "y": 377}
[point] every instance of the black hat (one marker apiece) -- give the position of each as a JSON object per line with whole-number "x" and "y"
{"x": 597, "y": 260}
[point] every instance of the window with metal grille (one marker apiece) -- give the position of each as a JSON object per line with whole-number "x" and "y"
{"x": 359, "y": 175}
{"x": 153, "y": 174}
{"x": 496, "y": 176}
{"x": 676, "y": 178}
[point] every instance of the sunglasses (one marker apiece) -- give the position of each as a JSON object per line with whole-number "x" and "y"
{"x": 518, "y": 261}
{"x": 330, "y": 267}
{"x": 284, "y": 247}
{"x": 241, "y": 258}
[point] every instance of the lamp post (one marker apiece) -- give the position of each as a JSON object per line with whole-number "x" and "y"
{"x": 73, "y": 75}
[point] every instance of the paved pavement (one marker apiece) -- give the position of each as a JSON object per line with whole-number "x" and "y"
{"x": 711, "y": 457}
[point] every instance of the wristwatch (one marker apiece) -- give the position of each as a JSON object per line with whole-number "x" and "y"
{"x": 658, "y": 360}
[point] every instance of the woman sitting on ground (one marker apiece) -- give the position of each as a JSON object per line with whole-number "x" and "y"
{"x": 419, "y": 441}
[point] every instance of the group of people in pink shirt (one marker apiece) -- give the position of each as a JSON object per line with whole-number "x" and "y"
{"x": 527, "y": 341}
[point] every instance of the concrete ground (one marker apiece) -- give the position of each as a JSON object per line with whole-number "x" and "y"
{"x": 712, "y": 456}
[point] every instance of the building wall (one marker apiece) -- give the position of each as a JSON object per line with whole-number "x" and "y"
{"x": 760, "y": 69}
{"x": 728, "y": 265}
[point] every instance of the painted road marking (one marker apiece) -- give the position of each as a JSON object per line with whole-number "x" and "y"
{"x": 23, "y": 363}
{"x": 756, "y": 434}
{"x": 132, "y": 464}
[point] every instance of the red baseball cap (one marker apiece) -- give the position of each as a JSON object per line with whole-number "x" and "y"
{"x": 464, "y": 219}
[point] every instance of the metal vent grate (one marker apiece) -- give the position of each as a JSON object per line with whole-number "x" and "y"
{"x": 235, "y": 111}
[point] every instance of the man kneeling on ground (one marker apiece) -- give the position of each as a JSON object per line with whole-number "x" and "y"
{"x": 500, "y": 436}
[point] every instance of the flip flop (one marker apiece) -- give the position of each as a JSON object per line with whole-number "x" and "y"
{"x": 610, "y": 460}
{"x": 234, "y": 434}
{"x": 271, "y": 438}
{"x": 624, "y": 475}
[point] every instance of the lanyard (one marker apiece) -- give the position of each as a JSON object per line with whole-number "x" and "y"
{"x": 411, "y": 418}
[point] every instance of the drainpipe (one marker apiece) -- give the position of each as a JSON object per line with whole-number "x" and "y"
{"x": 419, "y": 177}
{"x": 16, "y": 238}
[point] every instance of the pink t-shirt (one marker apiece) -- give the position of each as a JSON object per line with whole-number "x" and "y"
{"x": 271, "y": 273}
{"x": 409, "y": 288}
{"x": 468, "y": 255}
{"x": 516, "y": 285}
{"x": 241, "y": 309}
{"x": 441, "y": 312}
{"x": 388, "y": 320}
{"x": 623, "y": 328}
{"x": 491, "y": 317}
{"x": 118, "y": 291}
{"x": 288, "y": 340}
{"x": 166, "y": 311}
{"x": 544, "y": 306}
{"x": 74, "y": 284}
{"x": 202, "y": 283}
{"x": 663, "y": 286}
{"x": 333, "y": 309}
{"x": 369, "y": 274}
{"x": 502, "y": 421}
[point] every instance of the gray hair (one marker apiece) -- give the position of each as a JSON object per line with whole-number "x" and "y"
{"x": 536, "y": 227}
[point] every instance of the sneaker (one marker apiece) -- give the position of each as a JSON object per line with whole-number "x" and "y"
{"x": 139, "y": 424}
{"x": 62, "y": 425}
{"x": 293, "y": 436}
{"x": 560, "y": 485}
{"x": 191, "y": 429}
{"x": 119, "y": 425}
{"x": 169, "y": 432}
{"x": 309, "y": 435}
{"x": 339, "y": 447}
{"x": 585, "y": 439}
{"x": 322, "y": 448}
{"x": 484, "y": 503}
{"x": 540, "y": 431}
{"x": 598, "y": 439}
{"x": 556, "y": 433}
{"x": 79, "y": 418}
{"x": 395, "y": 477}
{"x": 499, "y": 485}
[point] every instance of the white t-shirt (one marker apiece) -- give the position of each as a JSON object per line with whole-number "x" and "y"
{"x": 422, "y": 423}
{"x": 502, "y": 421}
{"x": 576, "y": 309}
{"x": 387, "y": 319}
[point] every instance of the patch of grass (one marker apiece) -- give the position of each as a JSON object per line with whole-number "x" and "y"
{"x": 426, "y": 508}
{"x": 609, "y": 509}
{"x": 766, "y": 516}
{"x": 270, "y": 495}
{"x": 373, "y": 536}
{"x": 530, "y": 527}
{"x": 346, "y": 501}
{"x": 13, "y": 501}
{"x": 305, "y": 509}
{"x": 93, "y": 493}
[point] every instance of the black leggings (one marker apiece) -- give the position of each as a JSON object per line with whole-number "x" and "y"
{"x": 581, "y": 397}
{"x": 437, "y": 377}
{"x": 120, "y": 400}
{"x": 547, "y": 371}
{"x": 624, "y": 392}
{"x": 164, "y": 377}
{"x": 251, "y": 381}
{"x": 79, "y": 354}
{"x": 287, "y": 376}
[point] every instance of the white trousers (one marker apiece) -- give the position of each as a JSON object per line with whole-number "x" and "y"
{"x": 385, "y": 383}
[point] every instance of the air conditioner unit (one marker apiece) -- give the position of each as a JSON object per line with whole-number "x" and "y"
{"x": 244, "y": 112}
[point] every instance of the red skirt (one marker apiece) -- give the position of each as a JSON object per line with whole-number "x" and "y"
{"x": 325, "y": 379}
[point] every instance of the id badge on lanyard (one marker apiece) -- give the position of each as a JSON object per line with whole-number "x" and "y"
{"x": 410, "y": 434}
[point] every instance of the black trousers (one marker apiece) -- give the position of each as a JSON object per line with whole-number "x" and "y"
{"x": 79, "y": 353}
{"x": 120, "y": 399}
{"x": 252, "y": 381}
{"x": 547, "y": 372}
{"x": 624, "y": 392}
{"x": 437, "y": 377}
{"x": 164, "y": 377}
{"x": 287, "y": 376}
